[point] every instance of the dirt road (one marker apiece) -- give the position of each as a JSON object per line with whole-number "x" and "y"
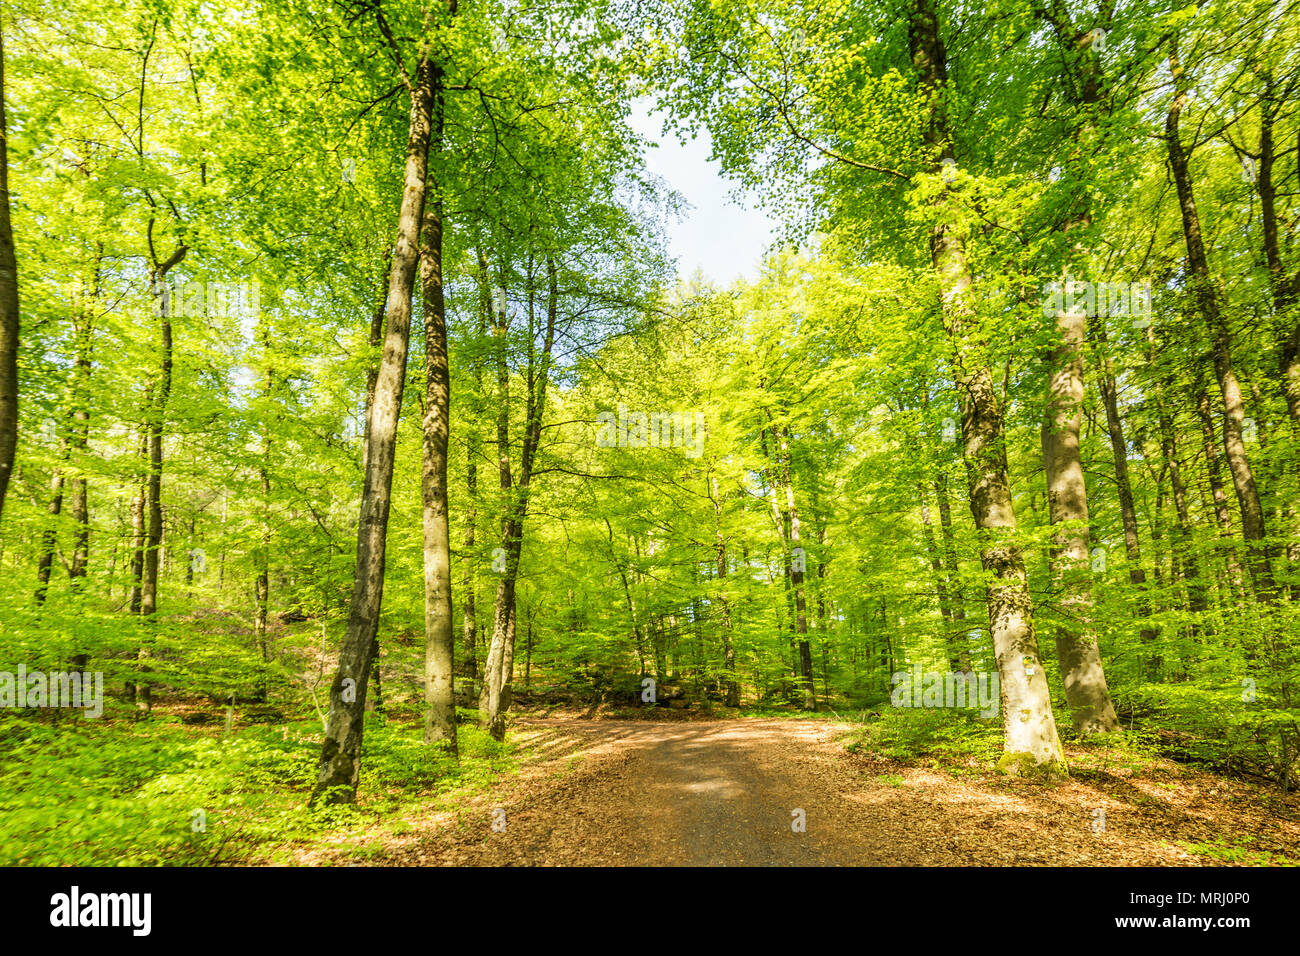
{"x": 725, "y": 793}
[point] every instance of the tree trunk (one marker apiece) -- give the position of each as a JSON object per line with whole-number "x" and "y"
{"x": 956, "y": 596}
{"x": 49, "y": 538}
{"x": 151, "y": 506}
{"x": 80, "y": 439}
{"x": 496, "y": 695}
{"x": 1137, "y": 574}
{"x": 950, "y": 638}
{"x": 797, "y": 579}
{"x": 728, "y": 647}
{"x": 1207, "y": 301}
{"x": 439, "y": 631}
{"x": 1086, "y": 692}
{"x": 1191, "y": 568}
{"x": 138, "y": 518}
{"x": 490, "y": 714}
{"x": 1285, "y": 291}
{"x": 8, "y": 306}
{"x": 473, "y": 446}
{"x": 1029, "y": 729}
{"x": 262, "y": 582}
{"x": 340, "y": 762}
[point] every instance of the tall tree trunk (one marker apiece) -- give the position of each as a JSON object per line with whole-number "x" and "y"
{"x": 1218, "y": 493}
{"x": 490, "y": 714}
{"x": 1285, "y": 290}
{"x": 262, "y": 555}
{"x": 473, "y": 446}
{"x": 8, "y": 306}
{"x": 1086, "y": 691}
{"x": 340, "y": 762}
{"x": 439, "y": 631}
{"x": 262, "y": 580}
{"x": 138, "y": 515}
{"x": 49, "y": 537}
{"x": 728, "y": 646}
{"x": 1029, "y": 729}
{"x": 956, "y": 594}
{"x": 1185, "y": 544}
{"x": 495, "y": 699}
{"x": 951, "y": 641}
{"x": 155, "y": 426}
{"x": 1206, "y": 298}
{"x": 797, "y": 578}
{"x": 469, "y": 611}
{"x": 80, "y": 438}
{"x": 1137, "y": 574}
{"x": 372, "y": 379}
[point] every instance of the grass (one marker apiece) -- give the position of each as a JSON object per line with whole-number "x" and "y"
{"x": 162, "y": 793}
{"x": 937, "y": 738}
{"x": 1238, "y": 853}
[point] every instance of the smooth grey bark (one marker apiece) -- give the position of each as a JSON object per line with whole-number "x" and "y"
{"x": 1030, "y": 741}
{"x": 340, "y": 761}
{"x": 1205, "y": 296}
{"x": 439, "y": 631}
{"x": 80, "y": 437}
{"x": 1086, "y": 691}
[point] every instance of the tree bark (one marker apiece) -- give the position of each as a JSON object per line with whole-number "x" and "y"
{"x": 439, "y": 631}
{"x": 728, "y": 646}
{"x": 496, "y": 695}
{"x": 953, "y": 640}
{"x": 49, "y": 537}
{"x": 80, "y": 438}
{"x": 1206, "y": 298}
{"x": 1086, "y": 691}
{"x": 155, "y": 426}
{"x": 8, "y": 306}
{"x": 1030, "y": 739}
{"x": 797, "y": 579}
{"x": 340, "y": 762}
{"x": 1285, "y": 290}
{"x": 1137, "y": 574}
{"x": 956, "y": 595}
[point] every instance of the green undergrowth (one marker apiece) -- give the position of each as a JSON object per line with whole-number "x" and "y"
{"x": 955, "y": 742}
{"x": 1238, "y": 852}
{"x": 157, "y": 792}
{"x": 961, "y": 743}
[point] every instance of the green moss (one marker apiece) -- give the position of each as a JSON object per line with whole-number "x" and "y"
{"x": 1021, "y": 764}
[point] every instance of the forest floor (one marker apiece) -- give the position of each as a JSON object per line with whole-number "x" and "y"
{"x": 726, "y": 792}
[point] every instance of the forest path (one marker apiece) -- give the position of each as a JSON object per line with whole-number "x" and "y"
{"x": 643, "y": 793}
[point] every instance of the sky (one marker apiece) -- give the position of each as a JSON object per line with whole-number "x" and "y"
{"x": 722, "y": 238}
